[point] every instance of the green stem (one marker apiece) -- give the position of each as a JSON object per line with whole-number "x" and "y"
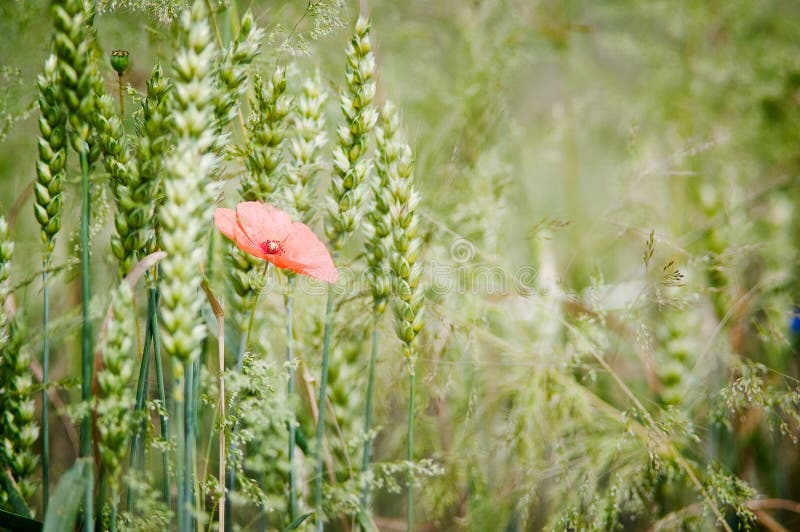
{"x": 290, "y": 393}
{"x": 189, "y": 435}
{"x": 121, "y": 99}
{"x": 410, "y": 449}
{"x": 162, "y": 394}
{"x": 323, "y": 390}
{"x": 368, "y": 411}
{"x": 101, "y": 497}
{"x": 179, "y": 405}
{"x": 114, "y": 505}
{"x": 86, "y": 340}
{"x": 230, "y": 475}
{"x": 14, "y": 497}
{"x": 45, "y": 380}
{"x": 137, "y": 445}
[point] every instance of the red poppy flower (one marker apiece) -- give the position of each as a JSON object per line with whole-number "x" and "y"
{"x": 269, "y": 233}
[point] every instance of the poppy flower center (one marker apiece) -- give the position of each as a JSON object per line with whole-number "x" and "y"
{"x": 271, "y": 247}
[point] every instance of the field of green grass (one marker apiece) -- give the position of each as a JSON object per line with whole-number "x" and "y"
{"x": 433, "y": 265}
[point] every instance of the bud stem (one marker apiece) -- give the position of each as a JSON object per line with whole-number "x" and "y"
{"x": 121, "y": 99}
{"x": 290, "y": 392}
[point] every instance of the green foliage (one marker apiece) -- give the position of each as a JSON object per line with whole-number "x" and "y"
{"x": 266, "y": 134}
{"x": 260, "y": 415}
{"x": 305, "y": 149}
{"x": 52, "y": 155}
{"x": 349, "y": 162}
{"x": 596, "y": 201}
{"x": 18, "y": 430}
{"x": 188, "y": 189}
{"x": 114, "y": 407}
{"x": 62, "y": 512}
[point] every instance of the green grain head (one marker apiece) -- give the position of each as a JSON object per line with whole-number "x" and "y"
{"x": 350, "y": 165}
{"x": 52, "y": 160}
{"x": 304, "y": 147}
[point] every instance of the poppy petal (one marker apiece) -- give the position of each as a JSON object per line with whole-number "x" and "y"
{"x": 263, "y": 223}
{"x": 304, "y": 253}
{"x": 225, "y": 219}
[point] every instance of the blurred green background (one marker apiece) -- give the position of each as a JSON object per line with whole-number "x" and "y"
{"x": 558, "y": 136}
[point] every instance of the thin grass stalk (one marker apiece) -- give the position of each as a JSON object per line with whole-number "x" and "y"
{"x": 230, "y": 476}
{"x": 219, "y": 314}
{"x": 137, "y": 445}
{"x": 407, "y": 271}
{"x": 203, "y": 359}
{"x": 88, "y": 522}
{"x": 114, "y": 507}
{"x": 221, "y": 351}
{"x": 153, "y": 294}
{"x": 290, "y": 392}
{"x": 196, "y": 381}
{"x": 190, "y": 443}
{"x": 86, "y": 342}
{"x": 101, "y": 498}
{"x": 373, "y": 356}
{"x": 45, "y": 381}
{"x": 412, "y": 392}
{"x": 321, "y": 406}
{"x": 178, "y": 409}
{"x": 50, "y": 170}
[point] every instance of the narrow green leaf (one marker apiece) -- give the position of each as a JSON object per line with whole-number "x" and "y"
{"x": 66, "y": 501}
{"x": 14, "y": 496}
{"x": 18, "y": 523}
{"x": 365, "y": 521}
{"x": 297, "y": 522}
{"x": 301, "y": 440}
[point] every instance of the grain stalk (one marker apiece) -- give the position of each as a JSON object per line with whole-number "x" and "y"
{"x": 378, "y": 230}
{"x": 350, "y": 168}
{"x": 50, "y": 173}
{"x": 262, "y": 159}
{"x": 304, "y": 147}
{"x": 138, "y": 214}
{"x": 78, "y": 80}
{"x": 115, "y": 408}
{"x": 189, "y": 191}
{"x": 408, "y": 300}
{"x": 18, "y": 430}
{"x": 300, "y": 181}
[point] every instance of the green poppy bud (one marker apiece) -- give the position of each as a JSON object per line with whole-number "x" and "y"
{"x": 120, "y": 60}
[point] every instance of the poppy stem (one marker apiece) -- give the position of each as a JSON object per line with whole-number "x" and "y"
{"x": 290, "y": 393}
{"x": 230, "y": 477}
{"x": 323, "y": 390}
{"x": 368, "y": 413}
{"x": 121, "y": 98}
